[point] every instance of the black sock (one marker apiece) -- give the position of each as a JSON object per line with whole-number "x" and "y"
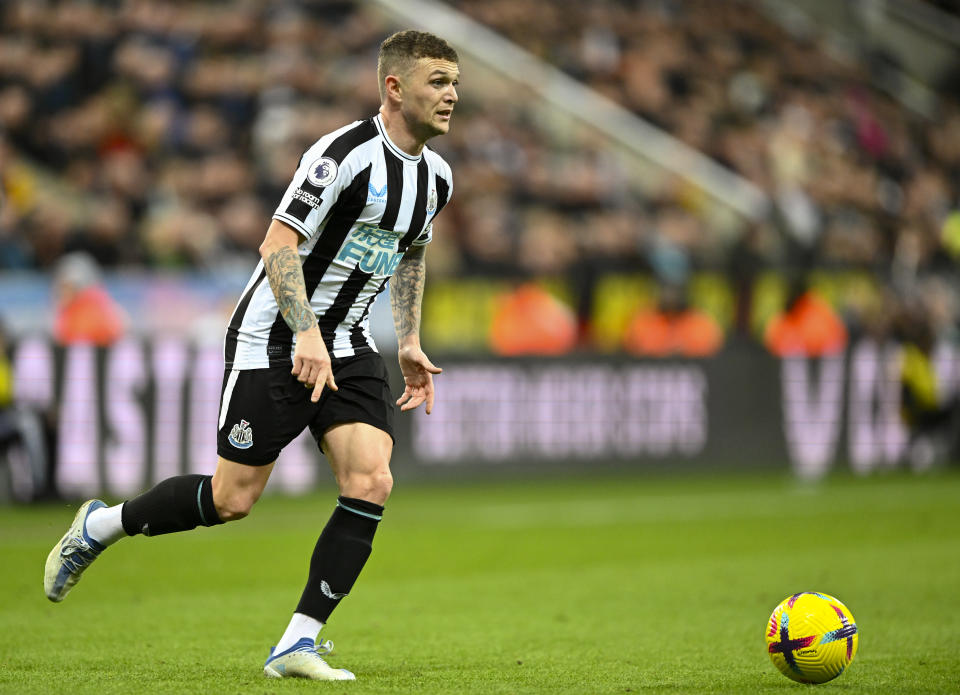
{"x": 340, "y": 553}
{"x": 176, "y": 504}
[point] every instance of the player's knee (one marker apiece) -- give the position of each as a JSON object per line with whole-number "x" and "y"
{"x": 381, "y": 487}
{"x": 373, "y": 487}
{"x": 234, "y": 506}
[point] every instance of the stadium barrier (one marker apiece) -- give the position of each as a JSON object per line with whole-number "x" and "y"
{"x": 140, "y": 411}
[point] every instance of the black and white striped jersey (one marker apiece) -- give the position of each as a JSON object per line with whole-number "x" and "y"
{"x": 359, "y": 202}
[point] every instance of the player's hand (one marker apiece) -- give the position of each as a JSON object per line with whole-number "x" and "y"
{"x": 311, "y": 363}
{"x": 418, "y": 373}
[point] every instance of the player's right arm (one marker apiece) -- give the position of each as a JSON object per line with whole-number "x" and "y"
{"x": 281, "y": 261}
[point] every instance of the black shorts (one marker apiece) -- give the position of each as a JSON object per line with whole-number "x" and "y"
{"x": 263, "y": 410}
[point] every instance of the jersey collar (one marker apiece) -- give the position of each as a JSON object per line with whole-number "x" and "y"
{"x": 378, "y": 121}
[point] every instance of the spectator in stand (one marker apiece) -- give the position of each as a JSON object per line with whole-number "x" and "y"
{"x": 531, "y": 321}
{"x": 85, "y": 312}
{"x": 929, "y": 409}
{"x": 807, "y": 326}
{"x": 673, "y": 328}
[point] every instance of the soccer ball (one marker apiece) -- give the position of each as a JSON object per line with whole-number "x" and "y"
{"x": 811, "y": 637}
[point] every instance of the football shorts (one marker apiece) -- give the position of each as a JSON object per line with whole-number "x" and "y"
{"x": 263, "y": 410}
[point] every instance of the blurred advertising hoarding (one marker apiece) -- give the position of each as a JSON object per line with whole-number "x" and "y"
{"x": 130, "y": 415}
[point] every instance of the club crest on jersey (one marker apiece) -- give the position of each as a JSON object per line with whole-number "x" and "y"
{"x": 241, "y": 436}
{"x": 432, "y": 201}
{"x": 376, "y": 195}
{"x": 322, "y": 172}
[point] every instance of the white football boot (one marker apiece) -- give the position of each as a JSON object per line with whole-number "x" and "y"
{"x": 72, "y": 555}
{"x": 303, "y": 660}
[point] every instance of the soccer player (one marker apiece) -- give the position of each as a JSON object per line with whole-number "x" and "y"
{"x": 298, "y": 350}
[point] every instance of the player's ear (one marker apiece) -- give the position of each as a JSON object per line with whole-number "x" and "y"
{"x": 393, "y": 87}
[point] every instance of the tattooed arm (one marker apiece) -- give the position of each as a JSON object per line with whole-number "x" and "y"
{"x": 285, "y": 273}
{"x": 406, "y": 293}
{"x": 281, "y": 261}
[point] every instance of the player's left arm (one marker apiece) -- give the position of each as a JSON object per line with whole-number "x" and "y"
{"x": 406, "y": 294}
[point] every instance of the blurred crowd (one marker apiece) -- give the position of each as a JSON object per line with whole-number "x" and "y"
{"x": 855, "y": 179}
{"x": 951, "y": 6}
{"x": 161, "y": 134}
{"x": 168, "y": 130}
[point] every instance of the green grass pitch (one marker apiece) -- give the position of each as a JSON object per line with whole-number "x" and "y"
{"x": 580, "y": 585}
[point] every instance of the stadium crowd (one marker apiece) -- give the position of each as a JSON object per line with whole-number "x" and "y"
{"x": 161, "y": 134}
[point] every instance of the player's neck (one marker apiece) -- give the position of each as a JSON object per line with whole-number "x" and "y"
{"x": 399, "y": 133}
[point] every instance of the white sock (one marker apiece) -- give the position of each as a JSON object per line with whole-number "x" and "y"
{"x": 300, "y": 626}
{"x": 104, "y": 524}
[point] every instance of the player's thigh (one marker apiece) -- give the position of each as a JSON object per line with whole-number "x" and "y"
{"x": 357, "y": 449}
{"x": 354, "y": 427}
{"x": 234, "y": 477}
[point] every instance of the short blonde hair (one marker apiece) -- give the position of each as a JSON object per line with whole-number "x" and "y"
{"x": 399, "y": 52}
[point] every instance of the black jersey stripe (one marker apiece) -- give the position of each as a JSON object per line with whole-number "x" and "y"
{"x": 419, "y": 208}
{"x": 350, "y": 140}
{"x": 230, "y": 344}
{"x": 357, "y": 340}
{"x": 343, "y": 215}
{"x": 344, "y": 301}
{"x": 337, "y": 151}
{"x": 394, "y": 189}
{"x": 299, "y": 210}
{"x": 443, "y": 193}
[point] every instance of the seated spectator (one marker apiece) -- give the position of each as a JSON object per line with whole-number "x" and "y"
{"x": 673, "y": 328}
{"x": 807, "y": 326}
{"x": 85, "y": 313}
{"x": 931, "y": 414}
{"x": 531, "y": 321}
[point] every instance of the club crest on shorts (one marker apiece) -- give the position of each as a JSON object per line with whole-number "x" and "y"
{"x": 322, "y": 172}
{"x": 241, "y": 436}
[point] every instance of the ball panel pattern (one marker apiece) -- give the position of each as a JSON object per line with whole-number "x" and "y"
{"x": 811, "y": 637}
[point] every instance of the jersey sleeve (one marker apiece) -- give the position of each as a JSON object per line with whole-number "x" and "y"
{"x": 425, "y": 238}
{"x": 315, "y": 187}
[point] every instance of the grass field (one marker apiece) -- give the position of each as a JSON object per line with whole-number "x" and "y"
{"x": 617, "y": 585}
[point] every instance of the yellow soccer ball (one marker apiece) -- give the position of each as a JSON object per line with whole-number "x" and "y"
{"x": 811, "y": 637}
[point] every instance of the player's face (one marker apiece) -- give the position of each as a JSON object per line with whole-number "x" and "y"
{"x": 430, "y": 95}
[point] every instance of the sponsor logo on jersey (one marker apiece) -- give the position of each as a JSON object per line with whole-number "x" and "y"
{"x": 241, "y": 436}
{"x": 322, "y": 172}
{"x": 307, "y": 197}
{"x": 373, "y": 249}
{"x": 328, "y": 592}
{"x": 376, "y": 195}
{"x": 432, "y": 201}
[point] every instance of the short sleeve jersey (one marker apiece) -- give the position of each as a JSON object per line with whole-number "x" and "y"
{"x": 359, "y": 202}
